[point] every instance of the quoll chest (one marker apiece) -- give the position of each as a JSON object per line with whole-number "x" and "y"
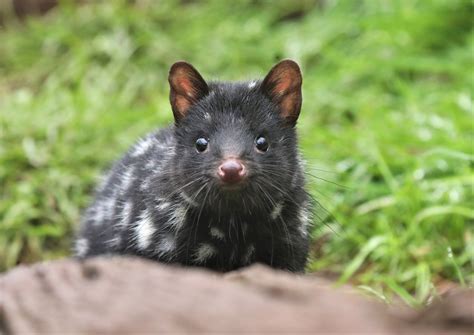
{"x": 218, "y": 242}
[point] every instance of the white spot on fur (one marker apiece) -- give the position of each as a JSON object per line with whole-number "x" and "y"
{"x": 150, "y": 164}
{"x": 109, "y": 206}
{"x": 104, "y": 180}
{"x": 144, "y": 230}
{"x": 104, "y": 211}
{"x": 178, "y": 215}
{"x": 125, "y": 214}
{"x": 156, "y": 165}
{"x": 301, "y": 166}
{"x": 114, "y": 241}
{"x": 204, "y": 252}
{"x": 166, "y": 245}
{"x": 81, "y": 247}
{"x": 127, "y": 179}
{"x": 99, "y": 214}
{"x": 162, "y": 206}
{"x": 252, "y": 84}
{"x": 217, "y": 233}
{"x": 294, "y": 180}
{"x": 142, "y": 146}
{"x": 276, "y": 211}
{"x": 304, "y": 218}
{"x": 248, "y": 254}
{"x": 188, "y": 199}
{"x": 90, "y": 214}
{"x": 145, "y": 184}
{"x": 207, "y": 116}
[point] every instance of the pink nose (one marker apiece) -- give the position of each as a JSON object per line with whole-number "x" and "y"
{"x": 231, "y": 171}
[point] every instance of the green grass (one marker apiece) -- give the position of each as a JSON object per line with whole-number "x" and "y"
{"x": 387, "y": 121}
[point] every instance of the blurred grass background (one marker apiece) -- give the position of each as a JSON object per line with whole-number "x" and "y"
{"x": 386, "y": 127}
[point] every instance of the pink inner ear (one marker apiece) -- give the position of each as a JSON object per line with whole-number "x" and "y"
{"x": 182, "y": 103}
{"x": 282, "y": 87}
{"x": 285, "y": 82}
{"x": 289, "y": 105}
{"x": 185, "y": 86}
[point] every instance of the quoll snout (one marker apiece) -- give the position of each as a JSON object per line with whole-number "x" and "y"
{"x": 231, "y": 171}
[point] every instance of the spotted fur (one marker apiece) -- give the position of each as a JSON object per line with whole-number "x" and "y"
{"x": 162, "y": 200}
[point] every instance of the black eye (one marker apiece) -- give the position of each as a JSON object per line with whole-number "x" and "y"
{"x": 201, "y": 144}
{"x": 261, "y": 143}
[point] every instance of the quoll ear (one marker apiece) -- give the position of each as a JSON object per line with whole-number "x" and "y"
{"x": 186, "y": 88}
{"x": 283, "y": 86}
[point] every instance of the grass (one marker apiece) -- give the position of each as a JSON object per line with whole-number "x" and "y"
{"x": 386, "y": 127}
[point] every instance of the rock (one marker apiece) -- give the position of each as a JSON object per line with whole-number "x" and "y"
{"x": 455, "y": 312}
{"x": 126, "y": 295}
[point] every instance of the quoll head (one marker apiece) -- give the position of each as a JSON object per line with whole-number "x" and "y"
{"x": 235, "y": 140}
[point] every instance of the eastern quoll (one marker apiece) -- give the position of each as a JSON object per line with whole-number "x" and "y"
{"x": 223, "y": 187}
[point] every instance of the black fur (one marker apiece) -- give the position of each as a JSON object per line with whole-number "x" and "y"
{"x": 163, "y": 199}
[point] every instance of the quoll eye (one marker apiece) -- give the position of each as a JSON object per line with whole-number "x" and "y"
{"x": 201, "y": 144}
{"x": 261, "y": 143}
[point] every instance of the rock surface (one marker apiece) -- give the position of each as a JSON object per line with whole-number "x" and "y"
{"x": 125, "y": 295}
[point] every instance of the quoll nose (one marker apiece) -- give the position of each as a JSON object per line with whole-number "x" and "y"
{"x": 231, "y": 171}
